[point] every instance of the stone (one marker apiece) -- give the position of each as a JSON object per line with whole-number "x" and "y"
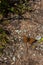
{"x": 14, "y": 58}
{"x": 38, "y": 37}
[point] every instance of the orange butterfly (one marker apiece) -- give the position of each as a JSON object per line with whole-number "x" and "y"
{"x": 28, "y": 39}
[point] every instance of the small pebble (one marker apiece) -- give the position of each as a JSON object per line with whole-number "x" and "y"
{"x": 38, "y": 37}
{"x": 29, "y": 34}
{"x": 18, "y": 56}
{"x": 25, "y": 31}
{"x": 37, "y": 49}
{"x": 14, "y": 58}
{"x": 33, "y": 54}
{"x": 12, "y": 63}
{"x": 40, "y": 54}
{"x": 5, "y": 58}
{"x": 16, "y": 30}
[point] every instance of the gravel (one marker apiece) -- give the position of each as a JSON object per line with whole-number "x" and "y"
{"x": 18, "y": 52}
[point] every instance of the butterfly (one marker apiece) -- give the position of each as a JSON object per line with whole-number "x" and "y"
{"x": 29, "y": 40}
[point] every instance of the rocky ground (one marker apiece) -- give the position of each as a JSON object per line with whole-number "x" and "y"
{"x": 18, "y": 51}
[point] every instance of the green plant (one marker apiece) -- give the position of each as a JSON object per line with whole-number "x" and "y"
{"x": 15, "y": 6}
{"x": 3, "y": 39}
